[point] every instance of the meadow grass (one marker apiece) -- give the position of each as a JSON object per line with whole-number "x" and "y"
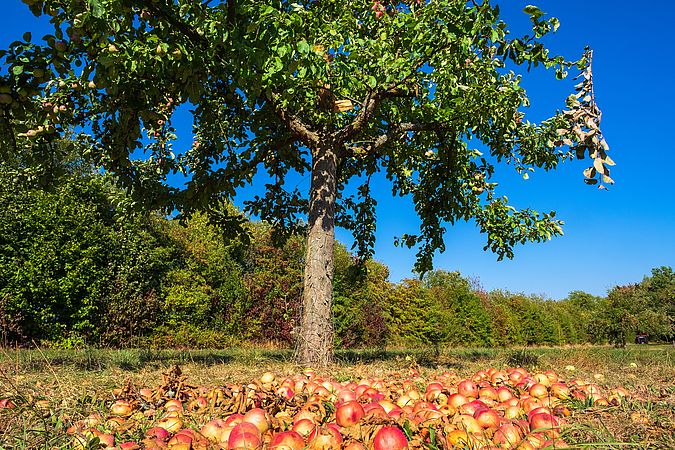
{"x": 52, "y": 388}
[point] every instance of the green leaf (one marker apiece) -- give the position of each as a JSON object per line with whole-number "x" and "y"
{"x": 282, "y": 50}
{"x": 27, "y": 36}
{"x": 555, "y": 23}
{"x": 533, "y": 11}
{"x": 17, "y": 70}
{"x": 372, "y": 82}
{"x": 97, "y": 8}
{"x": 303, "y": 47}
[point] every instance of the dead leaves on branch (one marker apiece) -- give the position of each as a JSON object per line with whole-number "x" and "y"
{"x": 584, "y": 135}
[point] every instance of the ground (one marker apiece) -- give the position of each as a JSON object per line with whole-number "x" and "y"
{"x": 55, "y": 388}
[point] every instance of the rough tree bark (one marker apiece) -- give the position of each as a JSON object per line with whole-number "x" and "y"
{"x": 315, "y": 344}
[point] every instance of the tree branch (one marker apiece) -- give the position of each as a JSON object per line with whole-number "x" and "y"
{"x": 368, "y": 107}
{"x": 309, "y": 137}
{"x": 181, "y": 26}
{"x": 395, "y": 131}
{"x": 373, "y": 99}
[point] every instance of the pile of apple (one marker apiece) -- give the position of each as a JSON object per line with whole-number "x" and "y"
{"x": 493, "y": 409}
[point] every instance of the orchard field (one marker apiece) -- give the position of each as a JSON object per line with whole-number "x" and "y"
{"x": 172, "y": 175}
{"x": 65, "y": 398}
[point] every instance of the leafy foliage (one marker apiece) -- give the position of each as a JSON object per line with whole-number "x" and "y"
{"x": 54, "y": 258}
{"x": 646, "y": 307}
{"x": 401, "y": 88}
{"x": 76, "y": 269}
{"x": 273, "y": 286}
{"x": 361, "y": 292}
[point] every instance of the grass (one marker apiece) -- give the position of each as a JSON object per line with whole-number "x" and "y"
{"x": 52, "y": 388}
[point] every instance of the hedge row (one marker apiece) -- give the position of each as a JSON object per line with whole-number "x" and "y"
{"x": 77, "y": 269}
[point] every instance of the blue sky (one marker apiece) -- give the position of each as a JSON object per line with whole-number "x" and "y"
{"x": 611, "y": 238}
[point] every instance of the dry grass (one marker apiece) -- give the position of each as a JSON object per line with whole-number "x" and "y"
{"x": 54, "y": 388}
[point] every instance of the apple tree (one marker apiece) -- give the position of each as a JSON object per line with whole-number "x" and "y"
{"x": 425, "y": 93}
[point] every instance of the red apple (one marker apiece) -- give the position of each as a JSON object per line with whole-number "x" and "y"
{"x": 354, "y": 445}
{"x": 458, "y": 437}
{"x": 304, "y": 427}
{"x": 471, "y": 407}
{"x": 216, "y": 431}
{"x": 287, "y": 440}
{"x": 173, "y": 405}
{"x": 325, "y": 438}
{"x": 387, "y": 405}
{"x": 467, "y": 423}
{"x": 199, "y": 403}
{"x": 129, "y": 446}
{"x": 467, "y": 388}
{"x": 504, "y": 393}
{"x": 538, "y": 390}
{"x": 457, "y": 400}
{"x": 487, "y": 418}
{"x": 121, "y": 408}
{"x": 508, "y": 435}
{"x": 244, "y": 441}
{"x": 259, "y": 418}
{"x": 345, "y": 395}
{"x": 105, "y": 439}
{"x": 234, "y": 419}
{"x": 350, "y": 413}
{"x": 434, "y": 385}
{"x": 539, "y": 410}
{"x": 181, "y": 438}
{"x": 7, "y": 403}
{"x": 245, "y": 427}
{"x": 488, "y": 393}
{"x": 513, "y": 412}
{"x": 546, "y": 423}
{"x": 390, "y": 438}
{"x": 157, "y": 433}
{"x": 171, "y": 423}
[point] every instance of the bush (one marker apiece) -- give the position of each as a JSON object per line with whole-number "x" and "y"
{"x": 274, "y": 291}
{"x": 75, "y": 270}
{"x": 54, "y": 258}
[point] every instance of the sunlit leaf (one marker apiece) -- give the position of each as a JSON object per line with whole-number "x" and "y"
{"x": 97, "y": 8}
{"x": 533, "y": 11}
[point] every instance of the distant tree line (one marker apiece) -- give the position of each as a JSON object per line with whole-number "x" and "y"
{"x": 79, "y": 267}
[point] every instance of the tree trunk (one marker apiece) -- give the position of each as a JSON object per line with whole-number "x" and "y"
{"x": 315, "y": 342}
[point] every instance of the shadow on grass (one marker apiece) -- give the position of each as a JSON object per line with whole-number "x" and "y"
{"x": 452, "y": 358}
{"x": 92, "y": 359}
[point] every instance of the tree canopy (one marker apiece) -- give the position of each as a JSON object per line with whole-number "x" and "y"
{"x": 338, "y": 89}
